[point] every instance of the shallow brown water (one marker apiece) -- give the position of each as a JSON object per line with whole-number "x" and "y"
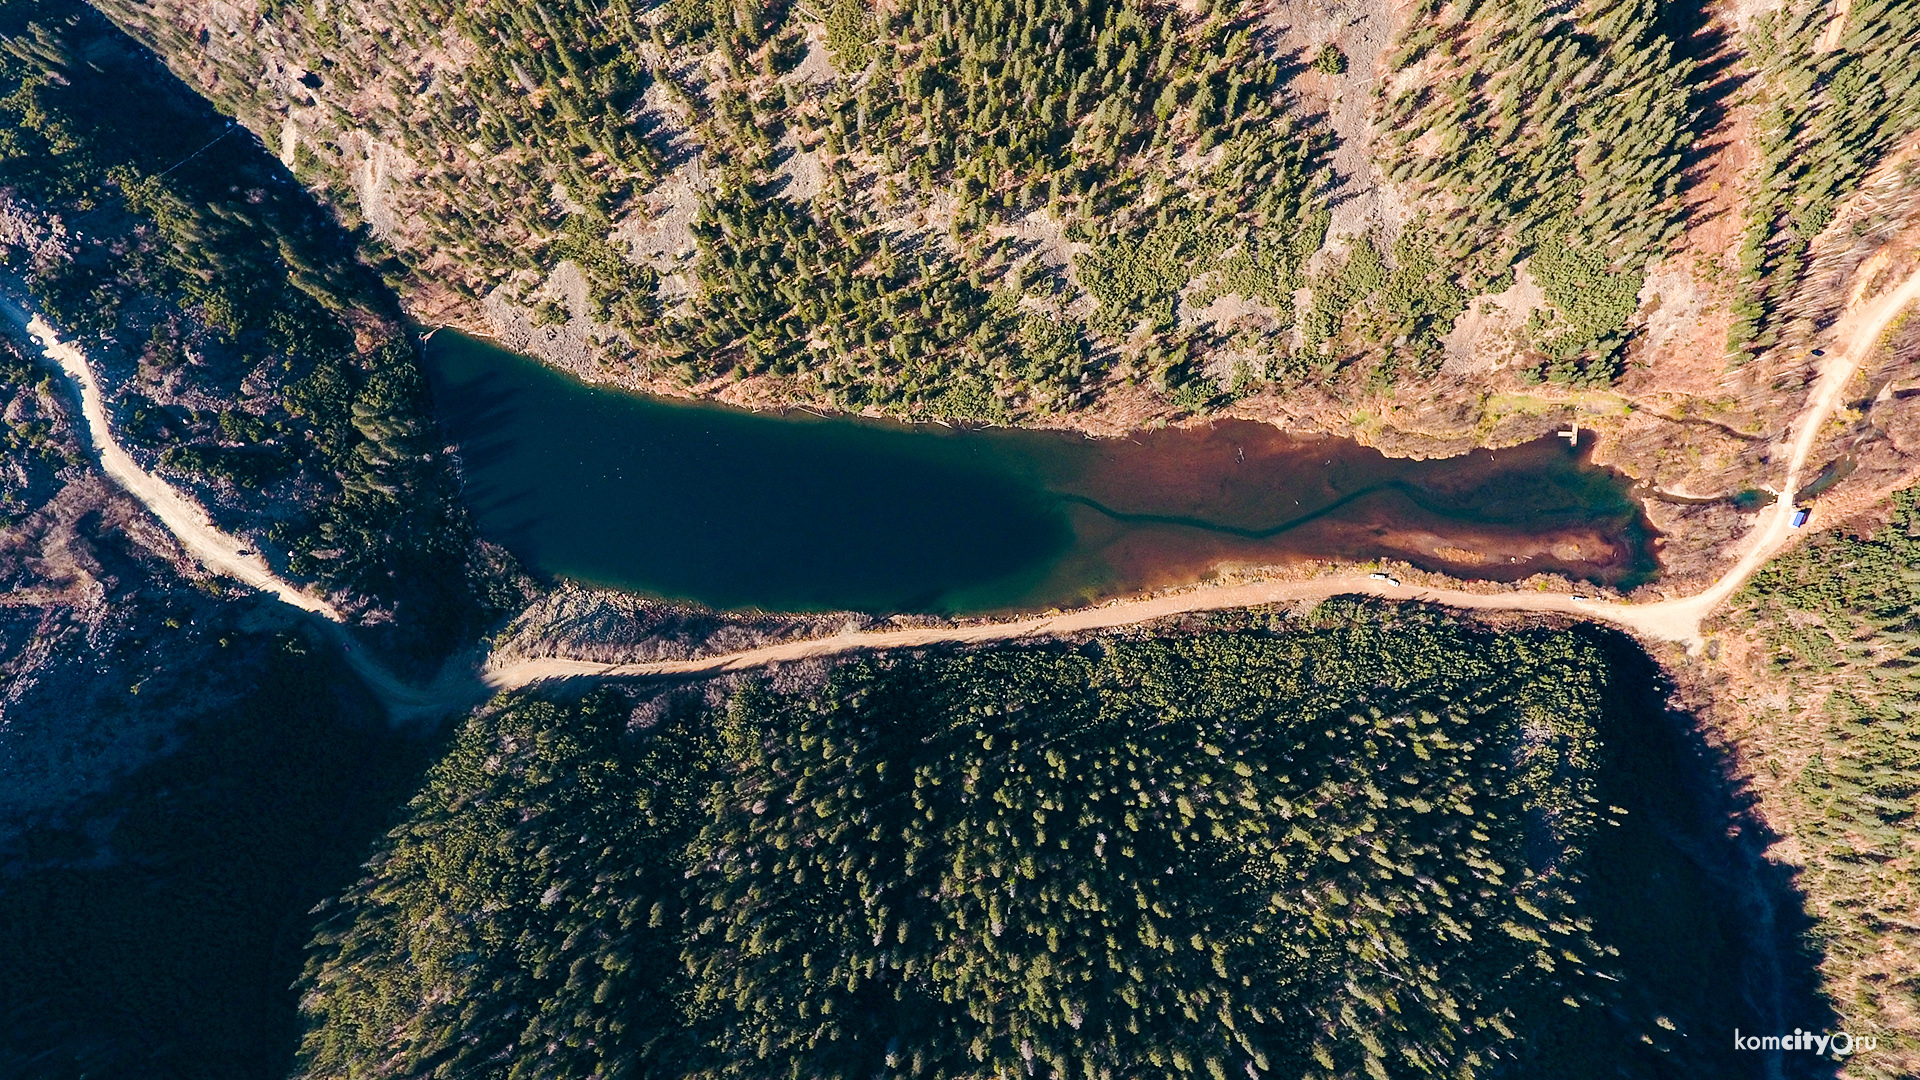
{"x": 1171, "y": 506}
{"x": 736, "y": 509}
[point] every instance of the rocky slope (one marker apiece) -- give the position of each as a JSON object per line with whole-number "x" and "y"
{"x": 922, "y": 211}
{"x": 246, "y": 354}
{"x": 108, "y": 637}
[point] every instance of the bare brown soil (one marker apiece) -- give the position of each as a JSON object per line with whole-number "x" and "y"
{"x": 1681, "y": 419}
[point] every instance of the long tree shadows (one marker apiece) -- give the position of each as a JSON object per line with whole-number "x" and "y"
{"x": 1709, "y": 43}
{"x": 733, "y": 509}
{"x": 156, "y": 932}
{"x": 1711, "y": 934}
{"x": 138, "y": 120}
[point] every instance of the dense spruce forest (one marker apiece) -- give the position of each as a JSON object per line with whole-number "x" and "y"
{"x": 987, "y": 210}
{"x": 1840, "y": 620}
{"x": 152, "y": 930}
{"x": 1159, "y": 138}
{"x": 1832, "y": 109}
{"x": 1100, "y": 114}
{"x": 1347, "y": 841}
{"x": 1550, "y": 132}
{"x": 249, "y": 352}
{"x": 1007, "y": 210}
{"x": 1347, "y": 844}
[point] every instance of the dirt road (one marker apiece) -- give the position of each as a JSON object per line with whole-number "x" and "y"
{"x": 1668, "y": 620}
{"x": 217, "y": 551}
{"x": 1121, "y": 613}
{"x": 458, "y": 685}
{"x": 464, "y": 683}
{"x": 1861, "y": 328}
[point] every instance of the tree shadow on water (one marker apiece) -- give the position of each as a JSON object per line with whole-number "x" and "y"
{"x": 1710, "y": 933}
{"x": 155, "y": 929}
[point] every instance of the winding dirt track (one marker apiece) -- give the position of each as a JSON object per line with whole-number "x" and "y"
{"x": 1666, "y": 620}
{"x": 464, "y": 682}
{"x": 217, "y": 551}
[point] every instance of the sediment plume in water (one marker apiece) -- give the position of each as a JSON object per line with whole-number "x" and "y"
{"x": 737, "y": 510}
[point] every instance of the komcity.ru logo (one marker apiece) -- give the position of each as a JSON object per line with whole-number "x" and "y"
{"x": 1839, "y": 1044}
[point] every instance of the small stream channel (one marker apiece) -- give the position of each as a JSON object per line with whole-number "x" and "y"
{"x": 795, "y": 512}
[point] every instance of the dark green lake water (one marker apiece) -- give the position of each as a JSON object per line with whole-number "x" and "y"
{"x": 795, "y": 512}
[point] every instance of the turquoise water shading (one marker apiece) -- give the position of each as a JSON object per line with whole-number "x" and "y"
{"x": 795, "y": 512}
